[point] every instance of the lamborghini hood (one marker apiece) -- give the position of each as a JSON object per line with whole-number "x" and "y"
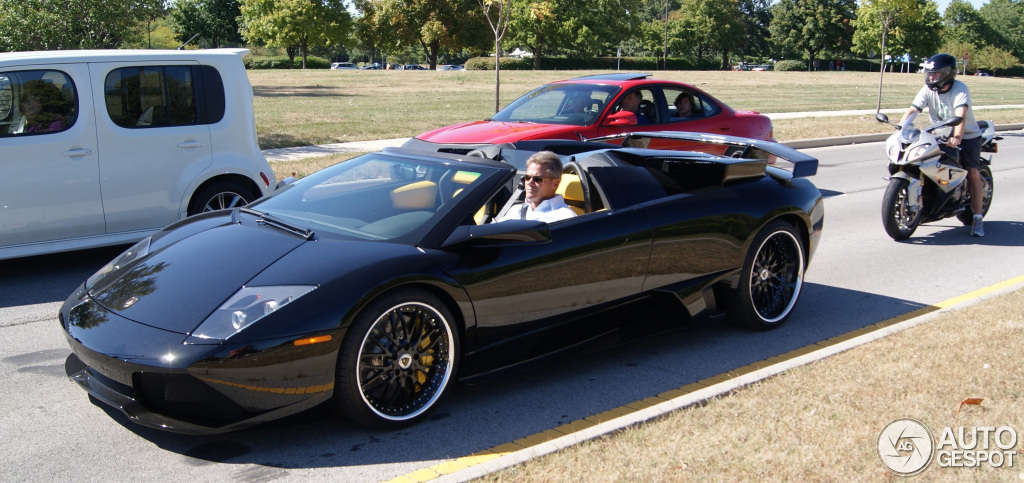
{"x": 181, "y": 281}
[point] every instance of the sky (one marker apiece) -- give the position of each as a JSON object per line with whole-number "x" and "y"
{"x": 943, "y": 3}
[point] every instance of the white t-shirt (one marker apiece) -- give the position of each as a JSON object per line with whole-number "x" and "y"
{"x": 942, "y": 106}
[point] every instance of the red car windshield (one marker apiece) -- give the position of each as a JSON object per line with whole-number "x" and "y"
{"x": 571, "y": 104}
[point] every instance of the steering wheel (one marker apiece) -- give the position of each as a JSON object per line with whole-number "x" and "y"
{"x": 595, "y": 107}
{"x": 573, "y": 167}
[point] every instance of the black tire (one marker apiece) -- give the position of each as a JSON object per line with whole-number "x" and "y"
{"x": 897, "y": 219}
{"x": 219, "y": 196}
{"x": 397, "y": 360}
{"x": 967, "y": 216}
{"x": 773, "y": 274}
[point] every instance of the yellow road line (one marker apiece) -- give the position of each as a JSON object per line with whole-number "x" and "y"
{"x": 823, "y": 348}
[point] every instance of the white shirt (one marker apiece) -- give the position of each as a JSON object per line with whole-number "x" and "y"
{"x": 550, "y": 210}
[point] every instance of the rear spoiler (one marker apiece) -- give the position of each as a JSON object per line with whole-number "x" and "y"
{"x": 738, "y": 147}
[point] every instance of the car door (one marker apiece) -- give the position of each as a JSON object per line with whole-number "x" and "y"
{"x": 50, "y": 188}
{"x": 527, "y": 296}
{"x": 152, "y": 138}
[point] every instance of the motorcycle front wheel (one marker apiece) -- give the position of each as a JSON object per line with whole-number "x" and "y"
{"x": 897, "y": 217}
{"x": 967, "y": 216}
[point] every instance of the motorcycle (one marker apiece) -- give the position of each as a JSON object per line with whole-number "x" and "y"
{"x": 927, "y": 182}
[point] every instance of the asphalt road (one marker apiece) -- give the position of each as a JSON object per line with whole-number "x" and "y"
{"x": 50, "y": 430}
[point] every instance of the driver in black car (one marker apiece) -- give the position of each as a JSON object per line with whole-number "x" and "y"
{"x": 543, "y": 203}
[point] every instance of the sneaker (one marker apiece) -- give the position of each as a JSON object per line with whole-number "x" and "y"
{"x": 978, "y": 227}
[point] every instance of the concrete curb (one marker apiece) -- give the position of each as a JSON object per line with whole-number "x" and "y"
{"x": 480, "y": 464}
{"x": 867, "y": 138}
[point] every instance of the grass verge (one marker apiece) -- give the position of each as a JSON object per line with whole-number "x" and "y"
{"x": 303, "y": 107}
{"x": 821, "y": 422}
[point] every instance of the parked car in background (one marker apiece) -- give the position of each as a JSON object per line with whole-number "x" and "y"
{"x": 589, "y": 107}
{"x": 413, "y": 67}
{"x": 450, "y": 67}
{"x": 373, "y": 66}
{"x": 103, "y": 147}
{"x": 343, "y": 65}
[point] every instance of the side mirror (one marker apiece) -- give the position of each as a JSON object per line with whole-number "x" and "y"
{"x": 881, "y": 117}
{"x": 506, "y": 232}
{"x": 620, "y": 119}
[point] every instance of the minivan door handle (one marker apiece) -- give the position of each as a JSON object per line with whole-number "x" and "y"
{"x": 189, "y": 144}
{"x": 74, "y": 153}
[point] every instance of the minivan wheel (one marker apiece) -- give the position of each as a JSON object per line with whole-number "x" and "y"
{"x": 220, "y": 196}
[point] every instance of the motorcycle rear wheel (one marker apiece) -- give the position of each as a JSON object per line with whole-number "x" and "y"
{"x": 897, "y": 218}
{"x": 967, "y": 216}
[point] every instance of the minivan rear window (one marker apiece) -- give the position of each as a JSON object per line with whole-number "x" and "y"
{"x": 36, "y": 102}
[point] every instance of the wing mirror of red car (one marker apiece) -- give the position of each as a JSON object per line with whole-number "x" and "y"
{"x": 620, "y": 119}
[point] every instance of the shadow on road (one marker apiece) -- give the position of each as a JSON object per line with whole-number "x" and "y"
{"x": 476, "y": 418}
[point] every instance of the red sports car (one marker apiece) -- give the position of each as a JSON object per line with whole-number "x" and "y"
{"x": 600, "y": 105}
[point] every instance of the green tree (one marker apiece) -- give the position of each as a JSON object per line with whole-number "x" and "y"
{"x": 994, "y": 59}
{"x": 757, "y": 15}
{"x": 908, "y": 27}
{"x": 960, "y": 50}
{"x": 433, "y": 25}
{"x": 295, "y": 24}
{"x": 1006, "y": 19}
{"x": 713, "y": 26}
{"x": 813, "y": 26}
{"x": 213, "y": 23}
{"x": 72, "y": 24}
{"x": 573, "y": 27}
{"x": 962, "y": 22}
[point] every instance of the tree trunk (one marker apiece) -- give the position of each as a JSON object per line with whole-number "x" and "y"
{"x": 291, "y": 51}
{"x": 497, "y": 71}
{"x": 881, "y": 72}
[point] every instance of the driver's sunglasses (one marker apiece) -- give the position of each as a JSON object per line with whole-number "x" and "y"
{"x": 540, "y": 179}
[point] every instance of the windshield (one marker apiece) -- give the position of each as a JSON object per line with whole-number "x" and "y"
{"x": 375, "y": 196}
{"x": 573, "y": 104}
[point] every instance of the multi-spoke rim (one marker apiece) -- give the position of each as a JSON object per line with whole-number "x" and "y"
{"x": 776, "y": 276}
{"x": 905, "y": 217}
{"x": 225, "y": 200}
{"x": 405, "y": 361}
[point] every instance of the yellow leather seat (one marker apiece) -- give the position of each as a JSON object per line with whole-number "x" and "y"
{"x": 572, "y": 190}
{"x": 415, "y": 196}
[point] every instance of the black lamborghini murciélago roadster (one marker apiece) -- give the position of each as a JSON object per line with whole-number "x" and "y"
{"x": 378, "y": 282}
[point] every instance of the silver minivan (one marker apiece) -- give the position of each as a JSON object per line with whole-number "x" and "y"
{"x": 103, "y": 147}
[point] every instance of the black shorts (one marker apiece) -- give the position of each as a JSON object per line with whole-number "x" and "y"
{"x": 970, "y": 153}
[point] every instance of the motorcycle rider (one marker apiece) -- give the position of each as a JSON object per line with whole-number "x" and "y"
{"x": 945, "y": 97}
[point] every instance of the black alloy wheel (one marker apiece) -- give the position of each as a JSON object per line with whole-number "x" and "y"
{"x": 773, "y": 274}
{"x": 398, "y": 359}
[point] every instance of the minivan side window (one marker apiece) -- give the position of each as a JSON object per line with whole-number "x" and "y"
{"x": 151, "y": 96}
{"x": 36, "y": 102}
